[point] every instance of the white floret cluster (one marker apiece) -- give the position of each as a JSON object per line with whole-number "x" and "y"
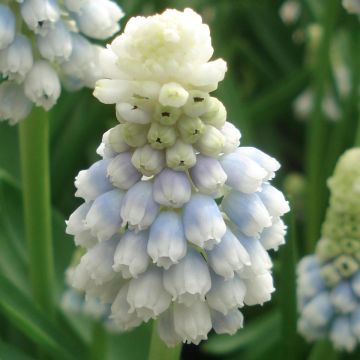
{"x": 177, "y": 217}
{"x": 43, "y": 40}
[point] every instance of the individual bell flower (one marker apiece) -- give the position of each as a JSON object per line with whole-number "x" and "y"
{"x": 211, "y": 141}
{"x": 215, "y": 115}
{"x": 173, "y": 94}
{"x": 132, "y": 114}
{"x": 328, "y": 281}
{"x": 274, "y": 236}
{"x": 7, "y": 26}
{"x": 148, "y": 161}
{"x": 160, "y": 136}
{"x": 180, "y": 156}
{"x": 232, "y": 137}
{"x": 258, "y": 289}
{"x": 227, "y": 324}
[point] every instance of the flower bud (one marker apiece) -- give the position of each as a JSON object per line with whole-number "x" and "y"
{"x": 227, "y": 324}
{"x": 203, "y": 222}
{"x": 135, "y": 135}
{"x": 7, "y": 26}
{"x": 114, "y": 139}
{"x": 148, "y": 161}
{"x": 173, "y": 94}
{"x": 160, "y": 136}
{"x": 215, "y": 114}
{"x": 167, "y": 115}
{"x": 131, "y": 113}
{"x": 197, "y": 103}
{"x": 180, "y": 156}
{"x": 211, "y": 142}
{"x": 167, "y": 243}
{"x": 42, "y": 85}
{"x": 190, "y": 129}
{"x": 16, "y": 60}
{"x": 232, "y": 138}
{"x": 172, "y": 188}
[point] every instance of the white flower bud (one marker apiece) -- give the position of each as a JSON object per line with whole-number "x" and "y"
{"x": 166, "y": 330}
{"x": 99, "y": 19}
{"x": 147, "y": 295}
{"x": 211, "y": 142}
{"x": 167, "y": 115}
{"x": 76, "y": 226}
{"x": 172, "y": 188}
{"x": 132, "y": 114}
{"x": 192, "y": 323}
{"x": 56, "y": 44}
{"x": 274, "y": 236}
{"x": 258, "y": 289}
{"x": 232, "y": 137}
{"x": 16, "y": 60}
{"x": 197, "y": 103}
{"x": 40, "y": 15}
{"x": 180, "y": 282}
{"x": 7, "y": 26}
{"x": 14, "y": 105}
{"x": 226, "y": 295}
{"x": 190, "y": 129}
{"x": 148, "y": 161}
{"x": 173, "y": 94}
{"x": 215, "y": 115}
{"x": 247, "y": 211}
{"x": 93, "y": 182}
{"x": 229, "y": 256}
{"x": 122, "y": 172}
{"x": 180, "y": 156}
{"x": 131, "y": 258}
{"x": 209, "y": 74}
{"x": 74, "y": 5}
{"x": 203, "y": 222}
{"x": 208, "y": 175}
{"x": 167, "y": 243}
{"x": 243, "y": 174}
{"x": 103, "y": 218}
{"x": 139, "y": 209}
{"x": 161, "y": 136}
{"x": 227, "y": 324}
{"x": 114, "y": 140}
{"x": 135, "y": 135}
{"x": 42, "y": 85}
{"x": 274, "y": 200}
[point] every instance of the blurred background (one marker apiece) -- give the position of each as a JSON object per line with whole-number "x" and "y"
{"x": 291, "y": 88}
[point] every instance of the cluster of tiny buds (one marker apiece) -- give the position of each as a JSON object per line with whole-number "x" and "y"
{"x": 42, "y": 40}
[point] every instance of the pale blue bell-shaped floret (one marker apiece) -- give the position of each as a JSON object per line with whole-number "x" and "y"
{"x": 76, "y": 226}
{"x": 227, "y": 324}
{"x": 309, "y": 331}
{"x": 7, "y": 26}
{"x": 56, "y": 44}
{"x": 98, "y": 261}
{"x": 42, "y": 85}
{"x": 180, "y": 282}
{"x": 319, "y": 310}
{"x": 98, "y": 19}
{"x": 167, "y": 242}
{"x": 132, "y": 113}
{"x": 120, "y": 311}
{"x": 93, "y": 182}
{"x": 192, "y": 323}
{"x": 355, "y": 322}
{"x": 341, "y": 334}
{"x": 270, "y": 164}
{"x": 229, "y": 256}
{"x": 226, "y": 295}
{"x": 14, "y": 105}
{"x": 40, "y": 15}
{"x": 274, "y": 200}
{"x": 203, "y": 222}
{"x": 232, "y": 137}
{"x": 147, "y": 295}
{"x": 274, "y": 236}
{"x": 166, "y": 328}
{"x": 247, "y": 211}
{"x": 208, "y": 175}
{"x": 131, "y": 257}
{"x": 148, "y": 161}
{"x": 243, "y": 173}
{"x": 172, "y": 188}
{"x": 259, "y": 289}
{"x": 122, "y": 172}
{"x": 139, "y": 208}
{"x": 103, "y": 218}
{"x": 17, "y": 59}
{"x": 343, "y": 298}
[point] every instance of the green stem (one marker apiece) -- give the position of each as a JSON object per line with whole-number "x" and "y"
{"x": 159, "y": 350}
{"x": 99, "y": 342}
{"x": 323, "y": 350}
{"x": 34, "y": 150}
{"x": 316, "y": 136}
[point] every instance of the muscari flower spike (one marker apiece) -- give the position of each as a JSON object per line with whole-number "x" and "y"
{"x": 42, "y": 41}
{"x": 177, "y": 218}
{"x": 352, "y": 6}
{"x": 329, "y": 280}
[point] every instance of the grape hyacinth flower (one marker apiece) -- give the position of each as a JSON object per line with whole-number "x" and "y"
{"x": 352, "y": 6}
{"x": 329, "y": 280}
{"x": 177, "y": 218}
{"x": 43, "y": 41}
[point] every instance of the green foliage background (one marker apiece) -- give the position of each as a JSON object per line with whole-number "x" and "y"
{"x": 269, "y": 65}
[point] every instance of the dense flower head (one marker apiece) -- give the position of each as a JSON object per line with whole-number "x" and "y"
{"x": 352, "y": 6}
{"x": 329, "y": 280}
{"x": 42, "y": 41}
{"x": 177, "y": 218}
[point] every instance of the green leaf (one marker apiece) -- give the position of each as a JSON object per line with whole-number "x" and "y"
{"x": 9, "y": 352}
